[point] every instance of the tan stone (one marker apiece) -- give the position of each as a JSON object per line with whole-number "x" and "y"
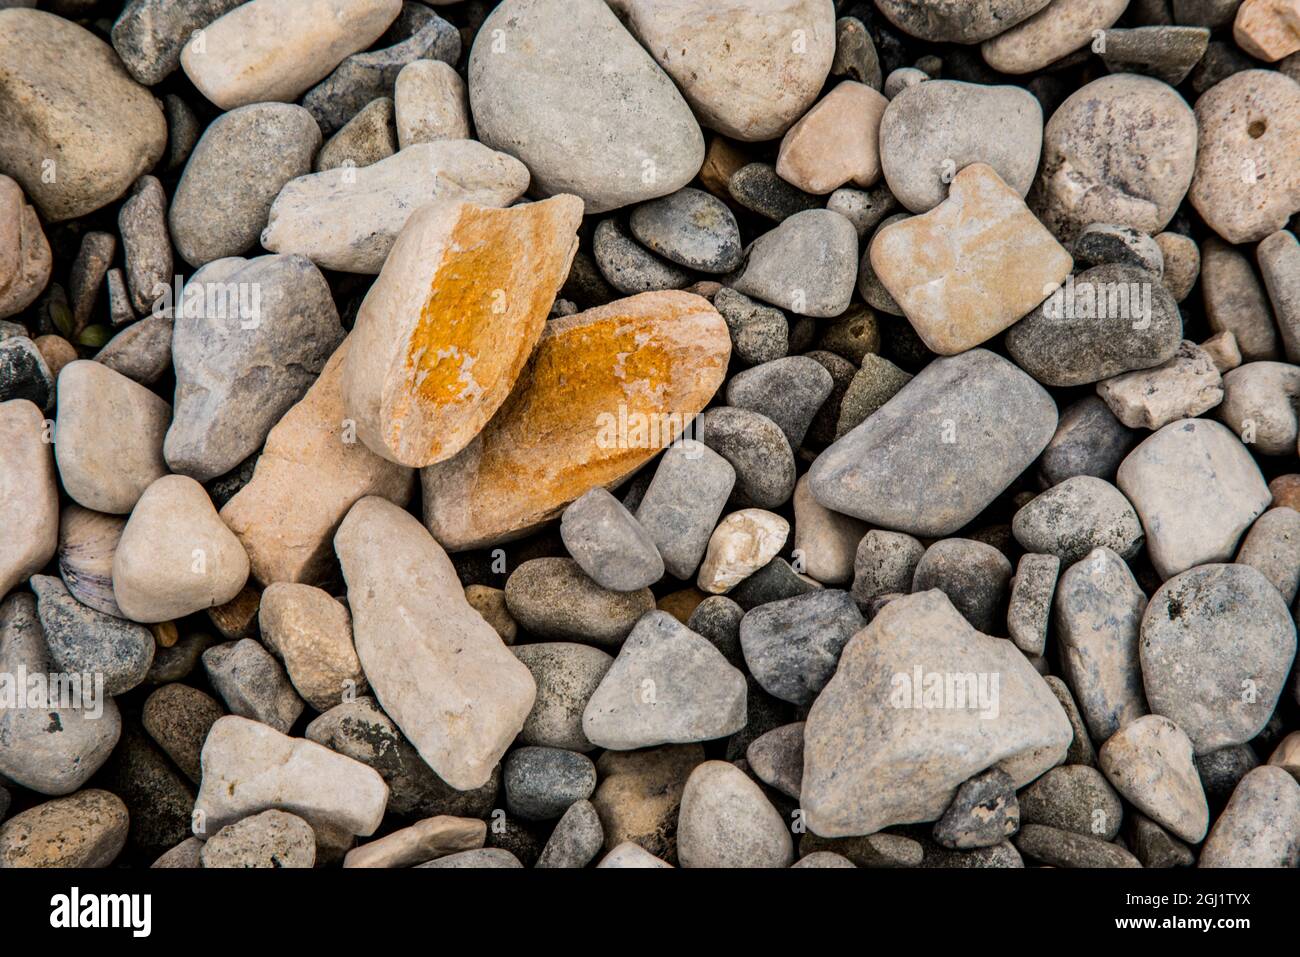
{"x": 742, "y": 543}
{"x": 311, "y": 633}
{"x": 430, "y": 103}
{"x": 449, "y": 324}
{"x": 237, "y": 618}
{"x": 681, "y": 604}
{"x": 605, "y": 391}
{"x": 1268, "y": 29}
{"x": 836, "y": 142}
{"x": 1060, "y": 28}
{"x": 29, "y": 494}
{"x": 1287, "y": 755}
{"x": 491, "y": 604}
{"x": 25, "y": 259}
{"x": 86, "y": 829}
{"x": 1184, "y": 386}
{"x": 1222, "y": 350}
{"x": 640, "y": 793}
{"x": 721, "y": 161}
{"x": 1182, "y": 263}
{"x": 311, "y": 471}
{"x": 56, "y": 351}
{"x": 426, "y": 840}
{"x": 971, "y": 267}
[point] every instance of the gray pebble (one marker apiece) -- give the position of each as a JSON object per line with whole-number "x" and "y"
{"x": 823, "y": 859}
{"x": 1156, "y": 847}
{"x": 142, "y": 351}
{"x": 1167, "y": 53}
{"x": 792, "y": 646}
{"x": 824, "y": 424}
{"x": 788, "y": 391}
{"x": 367, "y": 138}
{"x": 1260, "y": 827}
{"x": 717, "y": 618}
{"x": 1081, "y": 750}
{"x": 757, "y": 187}
{"x": 775, "y": 581}
{"x": 146, "y": 245}
{"x": 759, "y": 333}
{"x": 1067, "y": 849}
{"x": 1030, "y": 607}
{"x": 1089, "y": 440}
{"x": 975, "y": 577}
{"x": 1101, "y": 243}
{"x": 871, "y": 851}
{"x": 854, "y": 335}
{"x": 541, "y": 783}
{"x": 1073, "y": 798}
{"x": 855, "y": 54}
{"x": 1222, "y": 769}
{"x": 984, "y": 812}
{"x": 876, "y": 382}
{"x": 120, "y": 310}
{"x": 885, "y": 564}
{"x": 576, "y": 840}
{"x": 691, "y": 228}
{"x": 84, "y": 641}
{"x": 183, "y": 131}
{"x": 1272, "y": 547}
{"x": 1069, "y": 520}
{"x": 758, "y": 451}
{"x": 566, "y": 674}
{"x": 609, "y": 543}
{"x": 484, "y": 857}
{"x": 681, "y": 506}
{"x": 178, "y": 718}
{"x": 863, "y": 208}
{"x": 808, "y": 264}
{"x": 148, "y": 35}
{"x": 554, "y": 598}
{"x": 252, "y": 683}
{"x": 628, "y": 266}
{"x": 776, "y": 758}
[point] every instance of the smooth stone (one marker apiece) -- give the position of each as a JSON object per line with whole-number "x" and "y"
{"x": 756, "y": 187}
{"x": 1272, "y": 547}
{"x": 1259, "y": 405}
{"x": 424, "y": 841}
{"x": 690, "y": 228}
{"x": 1081, "y": 749}
{"x": 142, "y": 351}
{"x": 1285, "y": 756}
{"x": 853, "y": 335}
{"x": 1072, "y": 518}
{"x": 1165, "y": 52}
{"x": 364, "y": 140}
{"x": 109, "y": 437}
{"x": 245, "y": 157}
{"x": 1089, "y": 440}
{"x": 1030, "y": 607}
{"x": 178, "y": 719}
{"x": 640, "y": 793}
{"x": 819, "y": 859}
{"x": 1056, "y": 30}
{"x": 775, "y": 581}
{"x": 836, "y": 142}
{"x": 855, "y": 53}
{"x": 1058, "y": 848}
{"x": 94, "y": 257}
{"x": 1260, "y": 827}
{"x": 86, "y": 830}
{"x": 271, "y": 839}
{"x": 932, "y": 130}
{"x": 157, "y": 797}
{"x": 84, "y": 641}
{"x": 864, "y": 209}
{"x": 567, "y": 674}
{"x": 146, "y": 244}
{"x": 554, "y": 598}
{"x": 24, "y": 374}
{"x": 792, "y": 647}
{"x": 756, "y": 447}
{"x": 253, "y": 684}
{"x": 25, "y": 259}
{"x": 184, "y": 855}
{"x": 973, "y": 575}
{"x": 487, "y": 857}
{"x": 446, "y": 329}
{"x": 680, "y": 508}
{"x": 541, "y": 783}
{"x": 903, "y": 78}
{"x": 609, "y": 544}
{"x": 430, "y": 103}
{"x": 1156, "y": 847}
{"x": 807, "y": 264}
{"x": 759, "y": 333}
{"x": 98, "y": 128}
{"x": 1205, "y": 13}
{"x": 776, "y": 758}
{"x": 183, "y": 131}
{"x": 1075, "y": 798}
{"x": 1235, "y": 301}
{"x": 629, "y": 854}
{"x": 1101, "y": 243}
{"x": 854, "y": 782}
{"x": 576, "y": 839}
{"x": 56, "y": 351}
{"x": 249, "y": 767}
{"x": 1183, "y": 387}
{"x": 872, "y": 850}
{"x": 787, "y": 391}
{"x": 1279, "y": 262}
{"x": 1267, "y": 29}
{"x": 884, "y": 564}
{"x": 717, "y": 618}
{"x": 87, "y": 543}
{"x": 726, "y": 821}
{"x": 825, "y": 542}
{"x": 149, "y": 34}
{"x": 958, "y": 21}
{"x": 633, "y": 140}
{"x": 668, "y": 685}
{"x": 1182, "y": 260}
{"x": 1219, "y": 693}
{"x": 1149, "y": 761}
{"x": 1219, "y": 494}
{"x": 970, "y": 423}
{"x": 311, "y": 633}
{"x": 628, "y": 267}
{"x": 29, "y": 494}
{"x": 983, "y": 813}
{"x": 742, "y": 543}
{"x": 277, "y": 49}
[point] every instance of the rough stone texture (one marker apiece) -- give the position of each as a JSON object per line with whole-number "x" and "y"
{"x": 178, "y": 718}
{"x": 776, "y": 758}
{"x": 984, "y": 812}
{"x": 252, "y": 683}
{"x": 1030, "y": 607}
{"x": 312, "y": 634}
{"x": 87, "y": 830}
{"x": 1069, "y": 520}
{"x": 755, "y": 445}
{"x": 142, "y": 351}
{"x": 1183, "y": 387}
{"x": 1066, "y": 849}
{"x": 974, "y": 576}
{"x": 84, "y": 641}
{"x": 836, "y": 142}
{"x": 690, "y": 228}
{"x": 725, "y": 821}
{"x": 884, "y": 564}
{"x": 29, "y": 494}
{"x": 1074, "y": 798}
{"x": 1235, "y": 301}
{"x": 271, "y": 839}
{"x": 640, "y": 793}
{"x": 576, "y": 840}
{"x": 792, "y": 647}
{"x": 424, "y": 841}
{"x": 430, "y": 103}
{"x": 609, "y": 544}
{"x": 1260, "y": 827}
{"x": 367, "y": 138}
{"x": 958, "y": 21}
{"x": 149, "y": 34}
{"x": 1150, "y": 762}
{"x": 1279, "y": 263}
{"x": 25, "y": 260}
{"x": 1081, "y": 749}
{"x": 1259, "y": 405}
{"x": 554, "y": 598}
{"x": 541, "y": 783}
{"x": 1165, "y": 52}
{"x": 789, "y": 391}
{"x": 1060, "y": 28}
{"x": 1267, "y": 29}
{"x": 567, "y": 675}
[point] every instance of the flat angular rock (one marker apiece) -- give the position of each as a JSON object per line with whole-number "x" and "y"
{"x": 1267, "y": 29}
{"x": 271, "y": 839}
{"x": 1259, "y": 827}
{"x": 958, "y": 21}
{"x": 609, "y": 543}
{"x": 1069, "y": 520}
{"x": 87, "y": 829}
{"x": 605, "y": 391}
{"x": 447, "y": 327}
{"x": 311, "y": 632}
{"x": 836, "y": 142}
{"x": 440, "y": 671}
{"x": 1165, "y": 52}
{"x": 679, "y": 510}
{"x": 252, "y": 684}
{"x": 367, "y": 138}
{"x": 84, "y": 641}
{"x": 970, "y": 423}
{"x": 29, "y": 494}
{"x": 555, "y": 598}
{"x": 808, "y": 264}
{"x": 668, "y": 685}
{"x": 854, "y": 783}
{"x": 149, "y": 34}
{"x": 726, "y": 821}
{"x": 1183, "y": 387}
{"x": 792, "y": 647}
{"x": 1150, "y": 762}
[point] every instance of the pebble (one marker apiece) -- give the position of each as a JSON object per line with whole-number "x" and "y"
{"x": 554, "y": 598}
{"x": 386, "y": 553}
{"x": 25, "y": 262}
{"x": 1081, "y": 749}
{"x": 855, "y": 53}
{"x": 1246, "y": 185}
{"x": 970, "y": 423}
{"x": 629, "y": 854}
{"x": 628, "y": 267}
{"x": 94, "y": 257}
{"x": 1182, "y": 387}
{"x": 1286, "y": 756}
{"x": 757, "y": 449}
{"x": 1101, "y": 243}
{"x": 903, "y": 78}
{"x": 1074, "y": 798}
{"x": 854, "y": 335}
{"x": 430, "y": 103}
{"x": 85, "y": 830}
{"x": 70, "y": 102}
{"x": 253, "y": 684}
{"x": 640, "y": 793}
{"x": 633, "y": 140}
{"x": 1219, "y": 494}
{"x": 984, "y": 812}
{"x": 84, "y": 641}
{"x": 776, "y": 758}
{"x": 178, "y": 719}
{"x": 717, "y": 618}
{"x": 311, "y": 633}
{"x": 775, "y": 581}
{"x": 541, "y": 783}
{"x": 1222, "y": 350}
{"x": 487, "y": 857}
{"x": 1076, "y": 516}
{"x": 726, "y": 821}
{"x": 29, "y": 507}
{"x": 1156, "y": 847}
{"x": 758, "y": 333}
{"x": 1279, "y": 263}
{"x": 271, "y": 839}
{"x": 668, "y": 685}
{"x": 142, "y": 351}
{"x": 836, "y": 142}
{"x": 871, "y": 850}
{"x": 109, "y": 431}
{"x": 680, "y": 508}
{"x": 24, "y": 375}
{"x": 807, "y": 264}
{"x": 826, "y": 541}
{"x": 823, "y": 859}
{"x": 1199, "y": 681}
{"x": 57, "y": 352}
{"x": 884, "y": 564}
{"x": 756, "y": 187}
{"x": 245, "y": 156}
{"x": 1089, "y": 440}
{"x": 1165, "y": 52}
{"x": 1182, "y": 263}
{"x": 609, "y": 544}
{"x": 1057, "y": 848}
{"x": 1030, "y": 606}
{"x": 1235, "y": 301}
{"x": 973, "y": 575}
{"x": 1056, "y": 30}
{"x": 958, "y": 22}
{"x": 146, "y": 245}
{"x": 424, "y": 841}
{"x": 690, "y": 228}
{"x": 1267, "y": 29}
{"x": 1272, "y": 547}
{"x": 271, "y": 50}
{"x": 364, "y": 140}
{"x": 183, "y": 131}
{"x": 1149, "y": 761}
{"x": 788, "y": 391}
{"x": 184, "y": 855}
{"x": 1205, "y": 13}
{"x": 792, "y": 647}
{"x": 864, "y": 210}
{"x": 1221, "y": 770}
{"x": 149, "y": 34}
{"x": 576, "y": 839}
{"x": 742, "y": 543}
{"x": 1260, "y": 827}
{"x": 566, "y": 674}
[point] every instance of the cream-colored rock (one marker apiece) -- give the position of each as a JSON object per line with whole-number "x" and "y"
{"x": 1185, "y": 386}
{"x": 29, "y": 495}
{"x": 430, "y": 103}
{"x": 311, "y": 471}
{"x": 439, "y": 670}
{"x": 742, "y": 543}
{"x": 348, "y": 218}
{"x": 426, "y": 840}
{"x": 972, "y": 266}
{"x": 629, "y": 854}
{"x": 25, "y": 259}
{"x": 825, "y": 541}
{"x": 836, "y": 142}
{"x": 1060, "y": 28}
{"x": 447, "y": 327}
{"x": 1287, "y": 755}
{"x": 312, "y": 634}
{"x": 176, "y": 556}
{"x": 271, "y": 50}
{"x": 108, "y": 437}
{"x": 1223, "y": 351}
{"x": 1182, "y": 263}
{"x": 1150, "y": 762}
{"x": 1268, "y": 29}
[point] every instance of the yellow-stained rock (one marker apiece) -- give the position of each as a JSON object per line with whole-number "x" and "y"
{"x": 1268, "y": 29}
{"x": 605, "y": 391}
{"x": 836, "y": 142}
{"x": 971, "y": 267}
{"x": 447, "y": 327}
{"x": 311, "y": 471}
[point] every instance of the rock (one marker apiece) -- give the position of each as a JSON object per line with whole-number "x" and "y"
{"x": 424, "y": 841}
{"x": 668, "y": 685}
{"x": 1066, "y": 849}
{"x": 854, "y": 335}
{"x": 541, "y": 783}
{"x": 1182, "y": 259}
{"x": 1183, "y": 387}
{"x": 25, "y": 261}
{"x": 24, "y": 374}
{"x": 932, "y": 130}
{"x": 742, "y": 543}
{"x": 76, "y": 130}
{"x": 1245, "y": 186}
{"x": 1089, "y": 440}
{"x": 487, "y": 857}
{"x": 275, "y": 50}
{"x": 312, "y": 634}
{"x": 609, "y": 544}
{"x": 87, "y": 830}
{"x": 971, "y": 423}
{"x": 640, "y": 793}
{"x": 567, "y": 675}
{"x": 146, "y": 245}
{"x": 1113, "y": 319}
{"x": 633, "y": 140}
{"x": 1167, "y": 53}
{"x": 836, "y": 142}
{"x": 1235, "y": 301}
{"x": 252, "y": 684}
{"x": 792, "y": 647}
{"x": 109, "y": 438}
{"x": 1287, "y": 755}
{"x": 775, "y": 581}
{"x": 903, "y": 78}
{"x": 873, "y": 850}
{"x": 756, "y": 187}
{"x": 680, "y": 508}
{"x": 1220, "y": 492}
{"x": 1257, "y": 405}
{"x": 158, "y": 799}
{"x": 178, "y": 718}
{"x": 855, "y": 53}
{"x": 367, "y": 138}
{"x": 1219, "y": 693}
{"x": 1081, "y": 750}
{"x": 1080, "y": 514}
{"x": 1060, "y": 28}
{"x": 311, "y": 471}
{"x": 94, "y": 257}
{"x": 1279, "y": 263}
{"x": 952, "y": 21}
{"x": 581, "y": 416}
{"x": 142, "y": 351}
{"x": 1222, "y": 350}
{"x": 1150, "y": 763}
{"x": 348, "y": 219}
{"x": 973, "y": 575}
{"x": 1120, "y": 150}
{"x": 554, "y": 598}
{"x": 57, "y": 740}
{"x": 717, "y": 618}
{"x": 1101, "y": 243}
{"x": 885, "y": 563}
{"x": 576, "y": 840}
{"x": 87, "y": 543}
{"x": 787, "y": 391}
{"x": 445, "y": 331}
{"x": 176, "y": 556}
{"x": 429, "y": 638}
{"x": 244, "y": 159}
{"x": 776, "y": 758}
{"x": 628, "y": 854}
{"x": 1272, "y": 547}
{"x": 1267, "y": 29}
{"x": 1259, "y": 827}
{"x": 149, "y": 34}
{"x": 758, "y": 333}
{"x": 430, "y": 103}
{"x": 826, "y": 541}
{"x": 1032, "y": 590}
{"x": 1205, "y": 13}
{"x": 182, "y": 133}
{"x": 183, "y": 855}
{"x": 864, "y": 210}
{"x": 87, "y": 642}
{"x": 823, "y": 859}
{"x": 1073, "y": 798}
{"x": 850, "y": 739}
{"x": 725, "y": 821}
{"x": 249, "y": 767}
{"x": 628, "y": 267}
{"x": 56, "y": 351}
{"x": 29, "y": 494}
{"x": 807, "y": 264}
{"x": 1156, "y": 847}
{"x": 272, "y": 839}
{"x": 984, "y": 812}
{"x": 1098, "y": 612}
{"x": 756, "y": 446}
{"x": 689, "y": 228}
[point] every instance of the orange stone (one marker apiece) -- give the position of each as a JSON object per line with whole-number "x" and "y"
{"x": 1286, "y": 491}
{"x": 606, "y": 390}
{"x": 447, "y": 327}
{"x": 1268, "y": 29}
{"x": 721, "y": 161}
{"x": 681, "y": 604}
{"x": 237, "y": 618}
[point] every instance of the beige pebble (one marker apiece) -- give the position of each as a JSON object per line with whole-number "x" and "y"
{"x": 836, "y": 142}
{"x": 430, "y": 103}
{"x": 742, "y": 543}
